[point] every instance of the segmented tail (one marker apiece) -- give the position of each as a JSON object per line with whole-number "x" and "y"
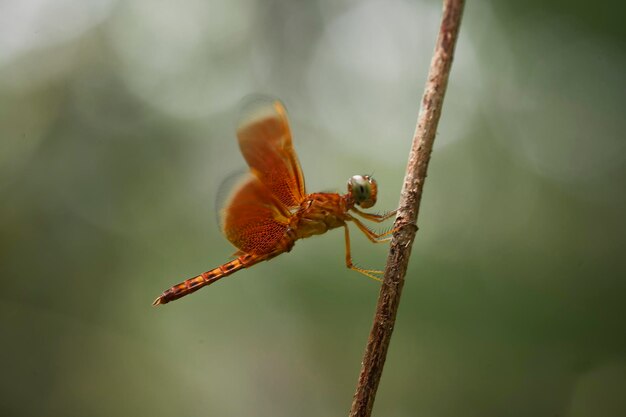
{"x": 209, "y": 277}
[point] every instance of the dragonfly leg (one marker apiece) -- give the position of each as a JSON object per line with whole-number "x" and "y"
{"x": 371, "y": 273}
{"x": 372, "y": 235}
{"x": 378, "y": 218}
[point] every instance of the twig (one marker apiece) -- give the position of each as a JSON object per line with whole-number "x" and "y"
{"x": 406, "y": 219}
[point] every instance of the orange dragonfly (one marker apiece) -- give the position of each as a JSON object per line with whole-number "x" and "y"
{"x": 268, "y": 211}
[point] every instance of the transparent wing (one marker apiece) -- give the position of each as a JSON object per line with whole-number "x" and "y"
{"x": 265, "y": 142}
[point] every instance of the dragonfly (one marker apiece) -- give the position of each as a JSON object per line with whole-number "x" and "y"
{"x": 269, "y": 210}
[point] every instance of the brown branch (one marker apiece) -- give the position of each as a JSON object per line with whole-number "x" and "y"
{"x": 406, "y": 220}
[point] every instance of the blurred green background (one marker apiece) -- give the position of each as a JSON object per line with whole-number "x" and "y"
{"x": 117, "y": 127}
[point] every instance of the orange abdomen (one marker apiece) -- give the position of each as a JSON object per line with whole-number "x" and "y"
{"x": 207, "y": 278}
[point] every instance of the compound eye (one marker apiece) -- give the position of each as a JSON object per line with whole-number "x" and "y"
{"x": 361, "y": 189}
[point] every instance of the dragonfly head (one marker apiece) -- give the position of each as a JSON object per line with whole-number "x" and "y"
{"x": 363, "y": 190}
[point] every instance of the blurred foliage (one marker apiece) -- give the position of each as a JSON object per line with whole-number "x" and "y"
{"x": 117, "y": 128}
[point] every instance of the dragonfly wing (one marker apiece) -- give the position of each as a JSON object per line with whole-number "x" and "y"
{"x": 265, "y": 142}
{"x": 253, "y": 219}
